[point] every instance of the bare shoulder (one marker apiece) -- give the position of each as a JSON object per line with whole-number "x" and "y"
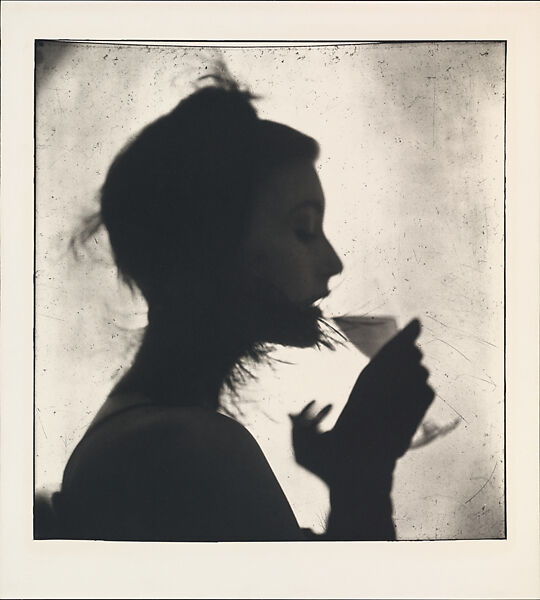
{"x": 204, "y": 472}
{"x": 191, "y": 426}
{"x": 183, "y": 435}
{"x": 198, "y": 419}
{"x": 127, "y": 415}
{"x": 223, "y": 467}
{"x": 212, "y": 440}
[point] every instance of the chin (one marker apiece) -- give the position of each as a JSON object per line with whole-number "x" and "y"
{"x": 267, "y": 316}
{"x": 290, "y": 325}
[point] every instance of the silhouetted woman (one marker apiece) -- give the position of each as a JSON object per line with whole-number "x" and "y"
{"x": 217, "y": 217}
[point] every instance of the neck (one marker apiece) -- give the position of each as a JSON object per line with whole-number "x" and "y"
{"x": 185, "y": 362}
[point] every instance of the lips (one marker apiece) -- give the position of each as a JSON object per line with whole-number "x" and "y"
{"x": 316, "y": 300}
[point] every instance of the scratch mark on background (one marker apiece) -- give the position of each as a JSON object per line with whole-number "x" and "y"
{"x": 434, "y": 105}
{"x": 436, "y": 339}
{"x": 437, "y": 320}
{"x": 472, "y": 336}
{"x": 449, "y": 405}
{"x": 471, "y": 267}
{"x": 50, "y": 317}
{"x": 269, "y": 416}
{"x": 39, "y": 419}
{"x": 479, "y": 378}
{"x": 483, "y": 486}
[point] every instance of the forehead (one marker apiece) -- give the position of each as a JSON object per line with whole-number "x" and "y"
{"x": 288, "y": 188}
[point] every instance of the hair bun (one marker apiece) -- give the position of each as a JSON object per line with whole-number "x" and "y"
{"x": 222, "y": 102}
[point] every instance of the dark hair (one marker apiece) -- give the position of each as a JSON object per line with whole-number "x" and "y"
{"x": 176, "y": 204}
{"x": 178, "y": 197}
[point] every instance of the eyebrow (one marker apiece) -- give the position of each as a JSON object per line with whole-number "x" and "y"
{"x": 308, "y": 204}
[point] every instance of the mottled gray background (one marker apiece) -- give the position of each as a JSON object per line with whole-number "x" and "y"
{"x": 412, "y": 164}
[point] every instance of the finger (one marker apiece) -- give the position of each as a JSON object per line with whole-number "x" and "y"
{"x": 417, "y": 374}
{"x": 416, "y": 396}
{"x": 430, "y": 395}
{"x": 303, "y": 415}
{"x": 404, "y": 375}
{"x": 321, "y": 415}
{"x": 417, "y": 353}
{"x": 423, "y": 399}
{"x": 408, "y": 355}
{"x": 423, "y": 373}
{"x": 305, "y": 412}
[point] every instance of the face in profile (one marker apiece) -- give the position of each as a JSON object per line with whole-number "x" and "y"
{"x": 286, "y": 247}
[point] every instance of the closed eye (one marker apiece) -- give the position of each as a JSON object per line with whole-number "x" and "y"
{"x": 307, "y": 223}
{"x": 306, "y": 236}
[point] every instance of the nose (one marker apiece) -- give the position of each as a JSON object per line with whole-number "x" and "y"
{"x": 332, "y": 263}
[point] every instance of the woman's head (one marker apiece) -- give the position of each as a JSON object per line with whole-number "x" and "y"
{"x": 192, "y": 207}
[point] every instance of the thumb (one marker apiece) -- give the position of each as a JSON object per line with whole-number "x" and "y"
{"x": 412, "y": 330}
{"x": 402, "y": 339}
{"x": 409, "y": 333}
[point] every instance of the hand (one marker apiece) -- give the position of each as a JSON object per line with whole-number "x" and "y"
{"x": 389, "y": 399}
{"x": 312, "y": 447}
{"x": 385, "y": 407}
